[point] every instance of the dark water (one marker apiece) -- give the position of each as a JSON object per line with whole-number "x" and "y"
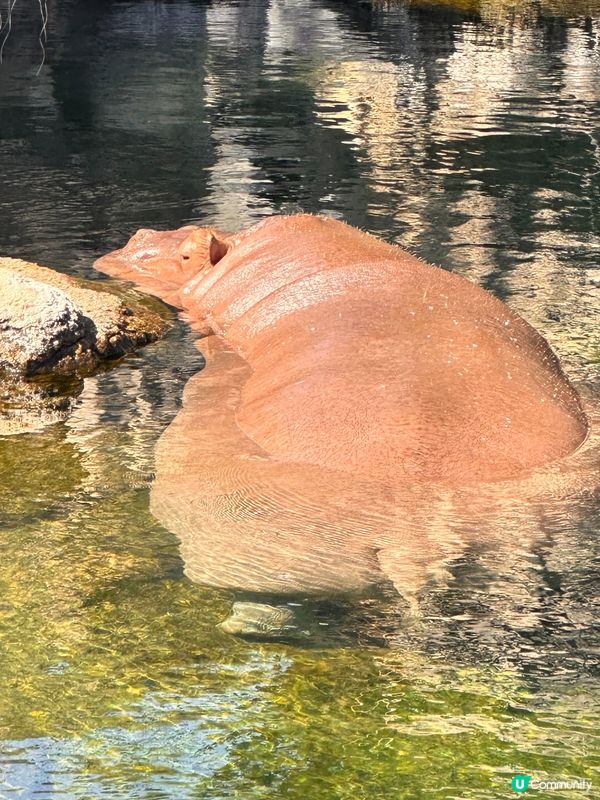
{"x": 471, "y": 135}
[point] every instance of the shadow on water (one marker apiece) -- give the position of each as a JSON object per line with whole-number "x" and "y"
{"x": 467, "y": 132}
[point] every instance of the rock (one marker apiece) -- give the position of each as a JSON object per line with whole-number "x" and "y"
{"x": 55, "y": 329}
{"x": 52, "y": 323}
{"x": 263, "y": 621}
{"x": 26, "y": 407}
{"x": 39, "y": 325}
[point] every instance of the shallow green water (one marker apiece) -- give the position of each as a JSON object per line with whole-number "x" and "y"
{"x": 471, "y": 137}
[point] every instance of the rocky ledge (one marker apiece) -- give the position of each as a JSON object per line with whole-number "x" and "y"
{"x": 52, "y": 323}
{"x": 54, "y": 330}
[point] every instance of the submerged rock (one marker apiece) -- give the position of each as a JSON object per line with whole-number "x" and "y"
{"x": 52, "y": 323}
{"x": 27, "y": 407}
{"x": 54, "y": 329}
{"x": 262, "y": 621}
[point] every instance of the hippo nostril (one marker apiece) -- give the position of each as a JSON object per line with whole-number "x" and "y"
{"x": 185, "y": 258}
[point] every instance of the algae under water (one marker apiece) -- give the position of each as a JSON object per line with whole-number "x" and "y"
{"x": 469, "y": 133}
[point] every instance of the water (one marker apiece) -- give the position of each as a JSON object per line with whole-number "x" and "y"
{"x": 467, "y": 132}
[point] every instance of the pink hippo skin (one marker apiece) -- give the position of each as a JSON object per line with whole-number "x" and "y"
{"x": 364, "y": 358}
{"x": 362, "y": 415}
{"x": 160, "y": 261}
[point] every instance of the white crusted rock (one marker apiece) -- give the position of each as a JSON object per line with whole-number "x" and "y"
{"x": 52, "y": 323}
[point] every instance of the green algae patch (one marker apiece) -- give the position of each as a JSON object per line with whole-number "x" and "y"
{"x": 113, "y": 664}
{"x": 38, "y": 473}
{"x": 94, "y": 612}
{"x": 117, "y": 679}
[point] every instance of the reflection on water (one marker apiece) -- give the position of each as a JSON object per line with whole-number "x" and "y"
{"x": 293, "y": 533}
{"x": 466, "y": 131}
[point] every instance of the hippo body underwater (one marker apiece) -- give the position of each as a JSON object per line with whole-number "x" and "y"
{"x": 361, "y": 413}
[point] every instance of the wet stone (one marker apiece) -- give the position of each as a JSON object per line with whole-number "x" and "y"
{"x": 54, "y": 328}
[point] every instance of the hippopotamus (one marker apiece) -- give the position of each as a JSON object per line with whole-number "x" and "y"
{"x": 363, "y": 357}
{"x": 362, "y": 414}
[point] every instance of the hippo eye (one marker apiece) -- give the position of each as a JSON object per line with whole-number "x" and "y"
{"x": 185, "y": 258}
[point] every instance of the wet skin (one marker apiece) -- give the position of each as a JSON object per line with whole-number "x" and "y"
{"x": 362, "y": 414}
{"x": 364, "y": 358}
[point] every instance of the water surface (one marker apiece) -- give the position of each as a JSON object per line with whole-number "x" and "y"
{"x": 466, "y": 131}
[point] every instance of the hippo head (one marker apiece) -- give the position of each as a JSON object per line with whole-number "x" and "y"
{"x": 161, "y": 262}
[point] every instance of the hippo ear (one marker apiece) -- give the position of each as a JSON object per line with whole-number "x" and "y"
{"x": 217, "y": 248}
